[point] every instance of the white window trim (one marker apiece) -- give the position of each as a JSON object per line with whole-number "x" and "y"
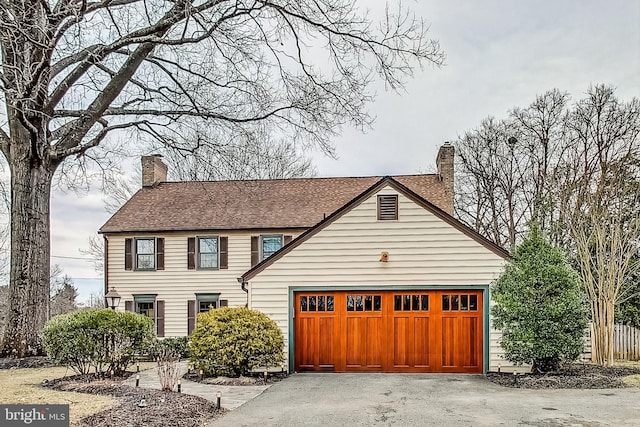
{"x": 198, "y": 266}
{"x": 262, "y": 236}
{"x": 154, "y": 254}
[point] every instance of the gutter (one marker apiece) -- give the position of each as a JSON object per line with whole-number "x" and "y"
{"x": 243, "y": 286}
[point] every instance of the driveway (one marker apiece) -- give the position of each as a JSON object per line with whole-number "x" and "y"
{"x": 429, "y": 400}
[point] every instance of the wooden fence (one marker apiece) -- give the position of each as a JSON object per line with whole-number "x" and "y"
{"x": 626, "y": 340}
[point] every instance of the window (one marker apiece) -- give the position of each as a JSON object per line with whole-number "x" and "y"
{"x": 262, "y": 247}
{"x": 411, "y": 302}
{"x": 202, "y": 303}
{"x": 460, "y": 302}
{"x": 388, "y": 207}
{"x": 317, "y": 303}
{"x": 270, "y": 245}
{"x": 148, "y": 305}
{"x": 207, "y": 252}
{"x": 364, "y": 302}
{"x": 206, "y": 302}
{"x": 144, "y": 253}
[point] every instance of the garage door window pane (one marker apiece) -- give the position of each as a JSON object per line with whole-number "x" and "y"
{"x": 320, "y": 303}
{"x": 350, "y": 303}
{"x": 377, "y": 303}
{"x": 464, "y": 302}
{"x": 445, "y": 302}
{"x": 312, "y": 303}
{"x": 415, "y": 303}
{"x": 454, "y": 302}
{"x": 368, "y": 303}
{"x": 303, "y": 303}
{"x": 359, "y": 305}
{"x": 330, "y": 303}
{"x": 473, "y": 302}
{"x": 425, "y": 303}
{"x": 397, "y": 302}
{"x": 407, "y": 303}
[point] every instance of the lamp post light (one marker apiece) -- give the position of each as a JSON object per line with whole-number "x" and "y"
{"x": 112, "y": 298}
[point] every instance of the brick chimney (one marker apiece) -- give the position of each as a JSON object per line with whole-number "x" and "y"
{"x": 444, "y": 162}
{"x": 153, "y": 170}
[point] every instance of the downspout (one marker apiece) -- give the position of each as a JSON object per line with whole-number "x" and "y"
{"x": 243, "y": 286}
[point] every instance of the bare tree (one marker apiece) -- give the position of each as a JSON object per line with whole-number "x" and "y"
{"x": 599, "y": 189}
{"x": 491, "y": 194}
{"x": 75, "y": 72}
{"x": 577, "y": 174}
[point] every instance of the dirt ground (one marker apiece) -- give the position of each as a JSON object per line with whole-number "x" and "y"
{"x": 578, "y": 376}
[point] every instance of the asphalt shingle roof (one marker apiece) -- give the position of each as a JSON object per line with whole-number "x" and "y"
{"x": 252, "y": 204}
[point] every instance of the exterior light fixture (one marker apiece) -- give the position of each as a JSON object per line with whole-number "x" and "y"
{"x": 143, "y": 402}
{"x": 218, "y": 398}
{"x": 112, "y": 298}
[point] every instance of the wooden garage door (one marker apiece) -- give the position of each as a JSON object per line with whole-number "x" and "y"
{"x": 404, "y": 331}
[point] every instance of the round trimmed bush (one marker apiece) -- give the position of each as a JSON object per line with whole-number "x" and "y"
{"x": 97, "y": 339}
{"x": 235, "y": 341}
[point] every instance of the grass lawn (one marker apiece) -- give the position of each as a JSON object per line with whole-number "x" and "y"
{"x": 23, "y": 386}
{"x": 631, "y": 380}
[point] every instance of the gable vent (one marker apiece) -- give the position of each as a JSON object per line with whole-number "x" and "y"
{"x": 388, "y": 207}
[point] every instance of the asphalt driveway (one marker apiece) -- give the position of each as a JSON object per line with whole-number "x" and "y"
{"x": 429, "y": 400}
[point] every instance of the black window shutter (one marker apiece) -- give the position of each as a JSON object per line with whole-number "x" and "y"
{"x": 160, "y": 253}
{"x": 224, "y": 303}
{"x": 128, "y": 254}
{"x": 224, "y": 252}
{"x": 287, "y": 239}
{"x": 255, "y": 250}
{"x": 128, "y": 306}
{"x": 191, "y": 253}
{"x": 191, "y": 316}
{"x": 160, "y": 317}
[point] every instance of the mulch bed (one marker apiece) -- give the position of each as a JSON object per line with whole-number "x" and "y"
{"x": 162, "y": 408}
{"x": 578, "y": 376}
{"x": 256, "y": 379}
{"x": 27, "y": 362}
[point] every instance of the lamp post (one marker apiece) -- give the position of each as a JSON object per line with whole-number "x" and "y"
{"x": 112, "y": 298}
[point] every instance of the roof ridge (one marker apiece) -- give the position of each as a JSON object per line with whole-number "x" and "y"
{"x": 316, "y": 178}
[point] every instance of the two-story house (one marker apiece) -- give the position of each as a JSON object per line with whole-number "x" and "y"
{"x": 360, "y": 273}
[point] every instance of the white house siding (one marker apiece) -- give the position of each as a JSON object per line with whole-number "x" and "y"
{"x": 176, "y": 284}
{"x": 423, "y": 251}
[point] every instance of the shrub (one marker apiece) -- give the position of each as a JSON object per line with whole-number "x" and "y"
{"x": 178, "y": 346}
{"x": 235, "y": 341}
{"x": 540, "y": 306}
{"x": 168, "y": 370}
{"x": 100, "y": 339}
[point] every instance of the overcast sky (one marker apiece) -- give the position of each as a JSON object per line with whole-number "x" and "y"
{"x": 500, "y": 54}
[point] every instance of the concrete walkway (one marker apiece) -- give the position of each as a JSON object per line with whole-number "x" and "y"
{"x": 232, "y": 396}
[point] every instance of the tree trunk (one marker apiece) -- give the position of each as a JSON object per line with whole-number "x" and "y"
{"x": 31, "y": 177}
{"x": 602, "y": 351}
